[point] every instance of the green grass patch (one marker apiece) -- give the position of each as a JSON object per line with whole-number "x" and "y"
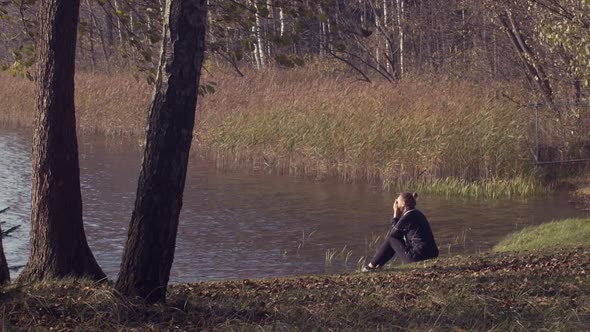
{"x": 486, "y": 188}
{"x": 565, "y": 233}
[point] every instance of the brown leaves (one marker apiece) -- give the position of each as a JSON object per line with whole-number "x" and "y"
{"x": 488, "y": 291}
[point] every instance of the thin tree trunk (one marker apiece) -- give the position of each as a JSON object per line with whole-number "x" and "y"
{"x": 577, "y": 91}
{"x": 131, "y": 19}
{"x": 495, "y": 55}
{"x": 149, "y": 250}
{"x": 91, "y": 41}
{"x": 322, "y": 39}
{"x": 97, "y": 28}
{"x": 386, "y": 30}
{"x": 119, "y": 24}
{"x": 58, "y": 242}
{"x": 256, "y": 50}
{"x": 268, "y": 33}
{"x": 282, "y": 19}
{"x": 259, "y": 37}
{"x": 210, "y": 25}
{"x": 4, "y": 273}
{"x": 378, "y": 28}
{"x": 108, "y": 16}
{"x": 400, "y": 22}
{"x": 535, "y": 69}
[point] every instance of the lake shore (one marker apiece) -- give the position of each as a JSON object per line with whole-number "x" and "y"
{"x": 491, "y": 291}
{"x": 579, "y": 188}
{"x": 429, "y": 135}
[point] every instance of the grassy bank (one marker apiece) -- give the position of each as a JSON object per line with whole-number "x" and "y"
{"x": 428, "y": 135}
{"x": 493, "y": 292}
{"x": 579, "y": 188}
{"x": 558, "y": 234}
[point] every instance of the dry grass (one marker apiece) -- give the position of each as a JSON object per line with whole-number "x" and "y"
{"x": 488, "y": 292}
{"x": 108, "y": 104}
{"x": 442, "y": 136}
{"x": 433, "y": 135}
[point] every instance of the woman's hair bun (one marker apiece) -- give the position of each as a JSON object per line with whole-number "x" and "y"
{"x": 415, "y": 195}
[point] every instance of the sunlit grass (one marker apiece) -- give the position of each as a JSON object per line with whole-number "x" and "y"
{"x": 565, "y": 233}
{"x": 520, "y": 186}
{"x": 437, "y": 136}
{"x": 444, "y": 138}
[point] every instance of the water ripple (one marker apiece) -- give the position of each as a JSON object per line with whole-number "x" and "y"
{"x": 237, "y": 225}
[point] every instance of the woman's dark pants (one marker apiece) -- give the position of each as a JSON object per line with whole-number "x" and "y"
{"x": 389, "y": 249}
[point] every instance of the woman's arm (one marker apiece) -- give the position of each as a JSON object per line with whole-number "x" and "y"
{"x": 396, "y": 214}
{"x": 400, "y": 228}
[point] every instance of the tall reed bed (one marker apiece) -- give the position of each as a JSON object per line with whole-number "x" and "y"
{"x": 444, "y": 137}
{"x": 440, "y": 136}
{"x": 114, "y": 105}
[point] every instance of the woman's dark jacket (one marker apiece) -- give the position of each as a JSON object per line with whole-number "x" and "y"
{"x": 414, "y": 230}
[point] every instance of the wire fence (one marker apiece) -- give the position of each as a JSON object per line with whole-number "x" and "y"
{"x": 561, "y": 132}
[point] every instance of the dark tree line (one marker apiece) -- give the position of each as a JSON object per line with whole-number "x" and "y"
{"x": 543, "y": 41}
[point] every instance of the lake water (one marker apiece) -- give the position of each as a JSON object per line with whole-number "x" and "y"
{"x": 249, "y": 225}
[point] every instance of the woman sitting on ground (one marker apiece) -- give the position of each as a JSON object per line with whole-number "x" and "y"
{"x": 410, "y": 237}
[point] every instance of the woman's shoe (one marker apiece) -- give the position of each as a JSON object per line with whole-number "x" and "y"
{"x": 369, "y": 267}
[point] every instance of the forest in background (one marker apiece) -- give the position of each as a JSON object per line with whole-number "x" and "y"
{"x": 543, "y": 44}
{"x": 285, "y": 84}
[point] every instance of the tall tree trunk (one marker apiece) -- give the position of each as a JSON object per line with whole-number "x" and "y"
{"x": 91, "y": 41}
{"x": 108, "y": 16}
{"x": 149, "y": 250}
{"x": 387, "y": 36}
{"x": 95, "y": 26}
{"x": 58, "y": 242}
{"x": 256, "y": 50}
{"x": 258, "y": 33}
{"x": 4, "y": 273}
{"x": 282, "y": 19}
{"x": 270, "y": 31}
{"x": 400, "y": 24}
{"x": 119, "y": 23}
{"x": 577, "y": 91}
{"x": 322, "y": 43}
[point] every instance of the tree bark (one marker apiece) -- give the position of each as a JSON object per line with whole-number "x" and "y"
{"x": 282, "y": 19}
{"x": 534, "y": 68}
{"x": 400, "y": 27}
{"x": 108, "y": 17}
{"x": 149, "y": 250}
{"x": 258, "y": 34}
{"x": 386, "y": 37}
{"x": 119, "y": 23}
{"x": 4, "y": 273}
{"x": 58, "y": 241}
{"x": 96, "y": 26}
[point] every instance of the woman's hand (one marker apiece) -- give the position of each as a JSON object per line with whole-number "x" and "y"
{"x": 395, "y": 210}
